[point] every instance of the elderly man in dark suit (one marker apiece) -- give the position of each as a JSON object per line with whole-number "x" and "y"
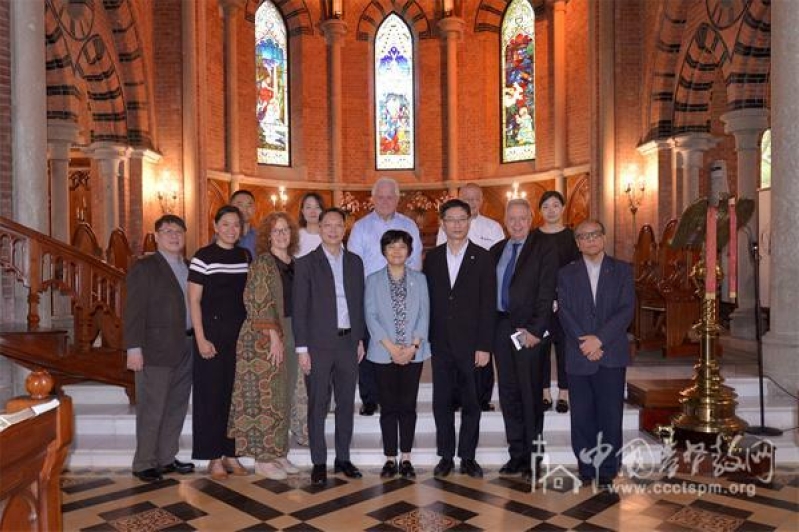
{"x": 596, "y": 302}
{"x": 329, "y": 327}
{"x": 460, "y": 279}
{"x": 159, "y": 343}
{"x": 525, "y": 267}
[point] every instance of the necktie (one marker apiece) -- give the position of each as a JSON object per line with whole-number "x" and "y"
{"x": 507, "y": 275}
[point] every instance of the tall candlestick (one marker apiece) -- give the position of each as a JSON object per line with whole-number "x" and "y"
{"x": 733, "y": 250}
{"x": 710, "y": 253}
{"x": 448, "y": 5}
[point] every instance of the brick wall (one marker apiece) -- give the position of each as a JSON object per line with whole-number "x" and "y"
{"x": 5, "y": 111}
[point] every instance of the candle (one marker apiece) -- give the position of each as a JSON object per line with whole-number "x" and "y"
{"x": 337, "y": 8}
{"x": 710, "y": 253}
{"x": 448, "y": 6}
{"x": 733, "y": 250}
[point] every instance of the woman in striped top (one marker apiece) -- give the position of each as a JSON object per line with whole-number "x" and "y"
{"x": 217, "y": 276}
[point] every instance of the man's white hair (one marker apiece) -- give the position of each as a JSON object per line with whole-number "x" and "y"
{"x": 519, "y": 201}
{"x": 386, "y": 181}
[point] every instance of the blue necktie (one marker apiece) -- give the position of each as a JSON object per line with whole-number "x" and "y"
{"x": 508, "y": 275}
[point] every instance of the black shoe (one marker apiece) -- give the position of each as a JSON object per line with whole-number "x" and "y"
{"x": 444, "y": 467}
{"x": 149, "y": 475}
{"x": 487, "y": 407}
{"x": 406, "y": 469}
{"x": 562, "y": 406}
{"x": 527, "y": 473}
{"x": 319, "y": 475}
{"x": 346, "y": 467}
{"x": 183, "y": 468}
{"x": 511, "y": 467}
{"x": 368, "y": 409}
{"x": 471, "y": 468}
{"x": 389, "y": 469}
{"x": 586, "y": 481}
{"x": 547, "y": 404}
{"x": 604, "y": 484}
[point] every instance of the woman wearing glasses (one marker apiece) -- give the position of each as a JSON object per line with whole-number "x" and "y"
{"x": 266, "y": 368}
{"x": 217, "y": 275}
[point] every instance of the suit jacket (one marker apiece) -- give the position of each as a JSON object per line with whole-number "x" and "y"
{"x": 314, "y": 317}
{"x": 608, "y": 318}
{"x": 532, "y": 287}
{"x": 380, "y": 315}
{"x": 462, "y": 317}
{"x": 155, "y": 312}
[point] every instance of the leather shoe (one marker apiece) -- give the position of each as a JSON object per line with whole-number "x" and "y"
{"x": 182, "y": 468}
{"x": 368, "y": 409}
{"x": 406, "y": 469}
{"x": 487, "y": 407}
{"x": 346, "y": 467}
{"x": 470, "y": 467}
{"x": 547, "y": 405}
{"x": 444, "y": 467}
{"x": 562, "y": 406}
{"x": 511, "y": 467}
{"x": 389, "y": 469}
{"x": 319, "y": 475}
{"x": 148, "y": 475}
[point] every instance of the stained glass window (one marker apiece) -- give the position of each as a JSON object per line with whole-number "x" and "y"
{"x": 518, "y": 87}
{"x": 271, "y": 77}
{"x": 394, "y": 99}
{"x": 765, "y": 160}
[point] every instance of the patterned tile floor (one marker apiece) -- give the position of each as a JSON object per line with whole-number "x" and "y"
{"x": 108, "y": 500}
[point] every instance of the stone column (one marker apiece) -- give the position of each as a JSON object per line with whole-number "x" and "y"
{"x": 747, "y": 125}
{"x": 601, "y": 30}
{"x": 335, "y": 29}
{"x": 61, "y": 134}
{"x": 559, "y": 90}
{"x": 141, "y": 175}
{"x": 657, "y": 162}
{"x": 452, "y": 32}
{"x": 781, "y": 343}
{"x": 111, "y": 161}
{"x": 692, "y": 148}
{"x": 192, "y": 191}
{"x": 230, "y": 10}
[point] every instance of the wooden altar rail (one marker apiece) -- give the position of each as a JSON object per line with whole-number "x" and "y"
{"x": 666, "y": 302}
{"x": 41, "y": 263}
{"x": 32, "y": 455}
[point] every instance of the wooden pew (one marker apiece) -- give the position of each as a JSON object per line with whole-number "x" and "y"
{"x": 119, "y": 253}
{"x": 32, "y": 455}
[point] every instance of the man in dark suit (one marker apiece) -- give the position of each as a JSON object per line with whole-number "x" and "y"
{"x": 460, "y": 278}
{"x": 158, "y": 339}
{"x": 329, "y": 327}
{"x": 596, "y": 303}
{"x": 525, "y": 270}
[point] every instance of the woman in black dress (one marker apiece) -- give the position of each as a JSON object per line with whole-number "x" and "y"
{"x": 553, "y": 231}
{"x": 217, "y": 277}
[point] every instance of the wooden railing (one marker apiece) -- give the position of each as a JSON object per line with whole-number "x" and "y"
{"x": 95, "y": 288}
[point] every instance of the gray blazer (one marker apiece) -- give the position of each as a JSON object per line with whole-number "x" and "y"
{"x": 380, "y": 315}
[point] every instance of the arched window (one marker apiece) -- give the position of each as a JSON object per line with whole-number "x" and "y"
{"x": 765, "y": 160}
{"x": 518, "y": 86}
{"x": 271, "y": 78}
{"x": 394, "y": 99}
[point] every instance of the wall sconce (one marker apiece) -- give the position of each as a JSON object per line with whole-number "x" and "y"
{"x": 167, "y": 194}
{"x": 281, "y": 197}
{"x": 449, "y": 7}
{"x": 335, "y": 8}
{"x": 514, "y": 192}
{"x": 635, "y": 188}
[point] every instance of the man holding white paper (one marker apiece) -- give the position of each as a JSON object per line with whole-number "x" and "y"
{"x": 526, "y": 269}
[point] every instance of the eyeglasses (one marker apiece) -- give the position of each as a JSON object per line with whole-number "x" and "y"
{"x": 593, "y": 235}
{"x": 456, "y": 220}
{"x": 282, "y": 231}
{"x": 172, "y": 232}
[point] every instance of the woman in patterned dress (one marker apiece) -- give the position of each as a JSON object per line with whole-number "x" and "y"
{"x": 217, "y": 275}
{"x": 266, "y": 368}
{"x": 397, "y": 308}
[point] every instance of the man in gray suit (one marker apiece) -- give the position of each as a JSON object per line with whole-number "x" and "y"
{"x": 329, "y": 328}
{"x": 159, "y": 343}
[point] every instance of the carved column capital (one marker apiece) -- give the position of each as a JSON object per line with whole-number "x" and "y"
{"x": 452, "y": 28}
{"x": 334, "y": 30}
{"x": 747, "y": 125}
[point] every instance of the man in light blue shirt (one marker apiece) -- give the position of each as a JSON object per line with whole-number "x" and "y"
{"x": 364, "y": 241}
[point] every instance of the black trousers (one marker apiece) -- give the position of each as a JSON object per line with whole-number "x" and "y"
{"x": 367, "y": 379}
{"x": 559, "y": 340}
{"x": 597, "y": 408}
{"x": 399, "y": 386}
{"x": 213, "y": 389}
{"x": 520, "y": 382}
{"x": 453, "y": 372}
{"x": 332, "y": 368}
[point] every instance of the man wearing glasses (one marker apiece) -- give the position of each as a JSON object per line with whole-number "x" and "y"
{"x": 463, "y": 292}
{"x": 596, "y": 302}
{"x": 159, "y": 340}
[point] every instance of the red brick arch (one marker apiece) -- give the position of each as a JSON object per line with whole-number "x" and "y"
{"x": 377, "y": 10}
{"x": 748, "y": 84}
{"x": 295, "y": 12}
{"x": 63, "y": 89}
{"x": 488, "y": 16}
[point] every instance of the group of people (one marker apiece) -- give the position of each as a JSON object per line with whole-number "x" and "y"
{"x": 270, "y": 325}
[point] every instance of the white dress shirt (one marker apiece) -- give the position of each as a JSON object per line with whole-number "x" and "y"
{"x": 593, "y": 273}
{"x": 483, "y": 231}
{"x": 365, "y": 237}
{"x": 454, "y": 261}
